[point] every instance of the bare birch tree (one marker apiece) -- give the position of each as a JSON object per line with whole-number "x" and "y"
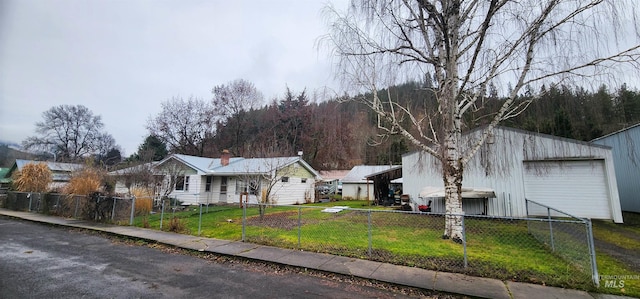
{"x": 467, "y": 45}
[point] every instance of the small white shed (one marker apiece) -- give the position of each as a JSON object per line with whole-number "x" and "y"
{"x": 572, "y": 176}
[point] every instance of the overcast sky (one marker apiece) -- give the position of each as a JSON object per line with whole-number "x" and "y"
{"x": 121, "y": 59}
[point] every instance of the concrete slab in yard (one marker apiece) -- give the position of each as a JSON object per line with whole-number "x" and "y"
{"x": 350, "y": 266}
{"x": 534, "y": 291}
{"x": 266, "y": 253}
{"x": 403, "y": 275}
{"x": 470, "y": 285}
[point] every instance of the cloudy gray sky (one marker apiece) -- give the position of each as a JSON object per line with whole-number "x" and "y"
{"x": 121, "y": 59}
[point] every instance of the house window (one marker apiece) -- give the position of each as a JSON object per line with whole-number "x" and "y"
{"x": 182, "y": 183}
{"x": 304, "y": 180}
{"x": 285, "y": 179}
{"x": 207, "y": 186}
{"x": 250, "y": 186}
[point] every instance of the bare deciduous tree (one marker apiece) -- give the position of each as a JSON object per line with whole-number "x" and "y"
{"x": 267, "y": 176}
{"x": 466, "y": 46}
{"x": 72, "y": 132}
{"x": 187, "y": 126}
{"x": 167, "y": 176}
{"x": 231, "y": 101}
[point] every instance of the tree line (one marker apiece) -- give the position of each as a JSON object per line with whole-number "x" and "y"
{"x": 335, "y": 134}
{"x": 341, "y": 133}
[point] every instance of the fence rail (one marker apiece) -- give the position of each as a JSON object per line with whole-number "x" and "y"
{"x": 500, "y": 247}
{"x": 571, "y": 239}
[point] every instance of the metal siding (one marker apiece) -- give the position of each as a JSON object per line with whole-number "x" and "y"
{"x": 505, "y": 174}
{"x": 626, "y": 159}
{"x": 576, "y": 187}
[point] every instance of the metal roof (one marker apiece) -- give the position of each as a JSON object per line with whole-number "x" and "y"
{"x": 53, "y": 166}
{"x": 330, "y": 175}
{"x": 238, "y": 165}
{"x": 359, "y": 173}
{"x": 3, "y": 173}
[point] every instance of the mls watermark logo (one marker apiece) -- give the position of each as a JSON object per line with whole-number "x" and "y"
{"x": 617, "y": 281}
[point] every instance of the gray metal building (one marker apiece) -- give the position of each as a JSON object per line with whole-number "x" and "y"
{"x": 625, "y": 146}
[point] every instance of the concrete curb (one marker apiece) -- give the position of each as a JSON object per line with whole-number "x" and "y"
{"x": 400, "y": 275}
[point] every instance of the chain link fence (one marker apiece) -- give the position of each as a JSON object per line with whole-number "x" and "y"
{"x": 565, "y": 235}
{"x": 502, "y": 247}
{"x": 96, "y": 208}
{"x": 548, "y": 246}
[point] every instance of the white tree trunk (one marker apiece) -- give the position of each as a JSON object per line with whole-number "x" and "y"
{"x": 452, "y": 170}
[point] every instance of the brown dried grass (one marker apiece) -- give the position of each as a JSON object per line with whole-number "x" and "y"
{"x": 144, "y": 200}
{"x": 85, "y": 181}
{"x": 34, "y": 177}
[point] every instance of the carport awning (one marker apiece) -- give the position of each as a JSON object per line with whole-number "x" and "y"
{"x": 431, "y": 192}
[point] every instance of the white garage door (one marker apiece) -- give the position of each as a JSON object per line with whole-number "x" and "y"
{"x": 576, "y": 187}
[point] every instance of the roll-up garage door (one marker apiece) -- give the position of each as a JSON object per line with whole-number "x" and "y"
{"x": 576, "y": 187}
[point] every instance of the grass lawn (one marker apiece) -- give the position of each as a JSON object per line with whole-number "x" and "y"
{"x": 618, "y": 254}
{"x": 495, "y": 248}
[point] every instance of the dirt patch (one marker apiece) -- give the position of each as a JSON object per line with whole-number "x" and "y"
{"x": 283, "y": 220}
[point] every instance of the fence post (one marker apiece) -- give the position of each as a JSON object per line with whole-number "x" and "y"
{"x": 553, "y": 246}
{"x": 29, "y": 197}
{"x": 299, "y": 225}
{"x": 133, "y": 209}
{"x": 592, "y": 253}
{"x": 75, "y": 213}
{"x": 244, "y": 221}
{"x": 58, "y": 204}
{"x": 39, "y": 202}
{"x": 162, "y": 214}
{"x": 200, "y": 219}
{"x": 464, "y": 241}
{"x": 113, "y": 210}
{"x": 526, "y": 207}
{"x": 370, "y": 234}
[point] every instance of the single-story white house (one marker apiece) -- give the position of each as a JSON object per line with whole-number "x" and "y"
{"x": 625, "y": 146}
{"x": 355, "y": 184}
{"x": 572, "y": 176}
{"x": 195, "y": 180}
{"x": 60, "y": 172}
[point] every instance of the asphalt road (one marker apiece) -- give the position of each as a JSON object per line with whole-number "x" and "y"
{"x": 42, "y": 261}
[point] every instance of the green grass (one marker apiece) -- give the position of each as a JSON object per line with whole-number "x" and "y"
{"x": 608, "y": 266}
{"x": 627, "y": 237}
{"x": 496, "y": 248}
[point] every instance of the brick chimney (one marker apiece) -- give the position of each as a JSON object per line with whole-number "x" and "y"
{"x": 224, "y": 159}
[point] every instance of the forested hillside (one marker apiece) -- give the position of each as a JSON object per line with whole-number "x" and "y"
{"x": 339, "y": 133}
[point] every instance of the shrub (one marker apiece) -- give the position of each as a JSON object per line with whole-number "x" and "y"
{"x": 85, "y": 181}
{"x": 177, "y": 225}
{"x": 33, "y": 178}
{"x": 144, "y": 201}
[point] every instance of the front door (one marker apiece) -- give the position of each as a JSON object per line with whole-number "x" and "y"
{"x": 223, "y": 189}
